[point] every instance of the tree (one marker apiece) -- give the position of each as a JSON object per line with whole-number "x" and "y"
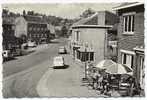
{"x": 30, "y": 13}
{"x": 87, "y": 13}
{"x": 5, "y": 12}
{"x": 23, "y": 38}
{"x": 64, "y": 31}
{"x": 24, "y": 12}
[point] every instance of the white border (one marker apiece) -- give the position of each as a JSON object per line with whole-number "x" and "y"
{"x": 70, "y": 1}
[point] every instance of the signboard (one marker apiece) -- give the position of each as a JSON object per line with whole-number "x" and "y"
{"x": 112, "y": 43}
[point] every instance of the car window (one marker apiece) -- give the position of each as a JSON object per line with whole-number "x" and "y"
{"x": 58, "y": 59}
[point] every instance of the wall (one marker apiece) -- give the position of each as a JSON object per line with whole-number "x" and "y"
{"x": 21, "y": 27}
{"x": 128, "y": 42}
{"x": 101, "y": 18}
{"x": 8, "y": 36}
{"x": 95, "y": 37}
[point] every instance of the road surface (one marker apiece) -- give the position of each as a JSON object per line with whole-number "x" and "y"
{"x": 22, "y": 75}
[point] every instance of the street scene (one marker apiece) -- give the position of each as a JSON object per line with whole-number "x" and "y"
{"x": 89, "y": 50}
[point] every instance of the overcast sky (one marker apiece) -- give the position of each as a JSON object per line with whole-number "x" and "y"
{"x": 62, "y": 10}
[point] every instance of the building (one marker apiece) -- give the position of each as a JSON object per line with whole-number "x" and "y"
{"x": 131, "y": 38}
{"x": 33, "y": 27}
{"x": 52, "y": 31}
{"x": 89, "y": 36}
{"x": 8, "y": 33}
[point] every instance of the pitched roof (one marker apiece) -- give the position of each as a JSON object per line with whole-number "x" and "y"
{"x": 8, "y": 20}
{"x": 127, "y": 5}
{"x": 38, "y": 19}
{"x": 86, "y": 20}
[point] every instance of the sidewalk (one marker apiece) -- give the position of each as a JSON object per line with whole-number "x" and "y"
{"x": 65, "y": 82}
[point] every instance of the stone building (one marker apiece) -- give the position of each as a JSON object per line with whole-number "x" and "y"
{"x": 131, "y": 38}
{"x": 33, "y": 27}
{"x": 8, "y": 33}
{"x": 89, "y": 36}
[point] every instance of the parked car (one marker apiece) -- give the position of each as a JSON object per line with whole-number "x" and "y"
{"x": 58, "y": 62}
{"x": 31, "y": 44}
{"x": 62, "y": 50}
{"x": 7, "y": 54}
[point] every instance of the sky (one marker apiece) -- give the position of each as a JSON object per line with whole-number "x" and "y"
{"x": 71, "y": 10}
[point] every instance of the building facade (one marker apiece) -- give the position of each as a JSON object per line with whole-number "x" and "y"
{"x": 131, "y": 38}
{"x": 89, "y": 37}
{"x": 33, "y": 27}
{"x": 8, "y": 33}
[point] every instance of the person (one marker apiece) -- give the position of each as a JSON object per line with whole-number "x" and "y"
{"x": 97, "y": 79}
{"x": 94, "y": 78}
{"x": 100, "y": 81}
{"x": 105, "y": 83}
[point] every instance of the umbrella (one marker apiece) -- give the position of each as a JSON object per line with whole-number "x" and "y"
{"x": 119, "y": 69}
{"x": 104, "y": 64}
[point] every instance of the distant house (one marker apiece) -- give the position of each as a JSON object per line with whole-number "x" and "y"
{"x": 51, "y": 28}
{"x": 58, "y": 31}
{"x": 8, "y": 33}
{"x": 131, "y": 38}
{"x": 89, "y": 36}
{"x": 34, "y": 27}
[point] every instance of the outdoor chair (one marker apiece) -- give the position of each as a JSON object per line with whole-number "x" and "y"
{"x": 114, "y": 84}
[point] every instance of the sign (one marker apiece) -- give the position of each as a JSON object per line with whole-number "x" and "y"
{"x": 112, "y": 43}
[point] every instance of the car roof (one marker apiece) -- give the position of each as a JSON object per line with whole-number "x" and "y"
{"x": 58, "y": 57}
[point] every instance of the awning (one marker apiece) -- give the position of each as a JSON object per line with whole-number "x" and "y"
{"x": 83, "y": 49}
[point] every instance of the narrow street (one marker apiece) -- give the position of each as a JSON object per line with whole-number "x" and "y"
{"x": 39, "y": 79}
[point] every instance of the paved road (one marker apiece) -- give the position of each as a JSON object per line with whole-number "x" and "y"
{"x": 65, "y": 82}
{"x": 22, "y": 75}
{"x": 25, "y": 62}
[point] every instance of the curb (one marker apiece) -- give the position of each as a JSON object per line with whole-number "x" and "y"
{"x": 41, "y": 87}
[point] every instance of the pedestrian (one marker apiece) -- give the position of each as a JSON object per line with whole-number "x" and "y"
{"x": 100, "y": 82}
{"x": 94, "y": 78}
{"x": 104, "y": 83}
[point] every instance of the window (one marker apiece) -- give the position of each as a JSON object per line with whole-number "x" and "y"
{"x": 38, "y": 35}
{"x": 38, "y": 29}
{"x": 13, "y": 27}
{"x": 128, "y": 22}
{"x": 91, "y": 56}
{"x": 34, "y": 29}
{"x": 42, "y": 35}
{"x": 77, "y": 35}
{"x": 127, "y": 59}
{"x": 30, "y": 35}
{"x": 30, "y": 28}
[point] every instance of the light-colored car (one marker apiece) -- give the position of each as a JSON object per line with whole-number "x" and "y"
{"x": 58, "y": 62}
{"x": 62, "y": 50}
{"x": 31, "y": 44}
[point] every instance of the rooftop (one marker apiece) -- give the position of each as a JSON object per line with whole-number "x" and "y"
{"x": 127, "y": 5}
{"x": 84, "y": 20}
{"x": 31, "y": 18}
{"x": 8, "y": 20}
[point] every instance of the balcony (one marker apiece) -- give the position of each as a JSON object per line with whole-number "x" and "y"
{"x": 112, "y": 43}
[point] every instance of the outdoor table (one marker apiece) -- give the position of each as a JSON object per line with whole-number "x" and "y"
{"x": 125, "y": 84}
